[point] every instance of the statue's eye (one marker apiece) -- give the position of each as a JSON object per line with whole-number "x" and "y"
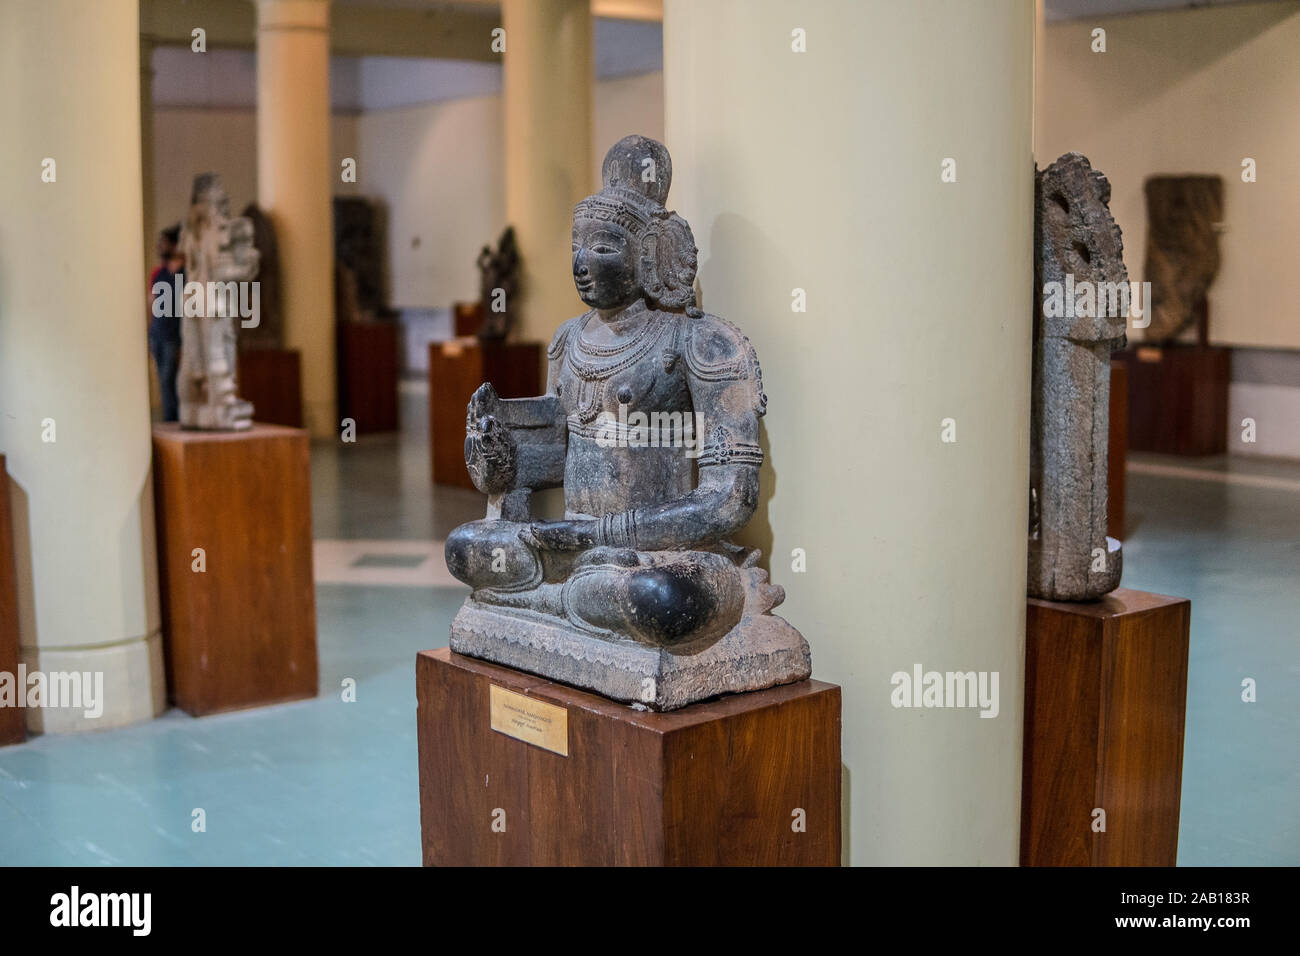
{"x": 603, "y": 249}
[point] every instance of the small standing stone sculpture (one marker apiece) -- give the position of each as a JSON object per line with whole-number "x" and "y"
{"x": 498, "y": 283}
{"x": 1079, "y": 258}
{"x": 1183, "y": 217}
{"x": 219, "y": 256}
{"x": 637, "y": 593}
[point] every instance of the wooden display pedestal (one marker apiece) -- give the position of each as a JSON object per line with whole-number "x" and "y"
{"x": 367, "y": 375}
{"x": 725, "y": 782}
{"x": 241, "y": 632}
{"x": 272, "y": 380}
{"x": 1105, "y": 690}
{"x": 456, "y": 369}
{"x": 13, "y": 720}
{"x": 1178, "y": 398}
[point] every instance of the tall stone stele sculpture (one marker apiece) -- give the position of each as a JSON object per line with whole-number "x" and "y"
{"x": 650, "y": 425}
{"x": 1080, "y": 311}
{"x": 220, "y": 257}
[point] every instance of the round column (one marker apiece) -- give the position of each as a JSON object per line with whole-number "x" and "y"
{"x": 891, "y": 310}
{"x": 548, "y": 92}
{"x": 73, "y": 378}
{"x": 295, "y": 184}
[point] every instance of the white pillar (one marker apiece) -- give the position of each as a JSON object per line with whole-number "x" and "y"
{"x": 73, "y": 354}
{"x": 295, "y": 182}
{"x": 548, "y": 93}
{"x": 821, "y": 171}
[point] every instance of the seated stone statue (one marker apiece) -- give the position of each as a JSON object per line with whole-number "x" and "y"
{"x": 650, "y": 424}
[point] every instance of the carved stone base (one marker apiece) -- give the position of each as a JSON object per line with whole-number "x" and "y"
{"x": 761, "y": 651}
{"x": 1071, "y": 577}
{"x": 233, "y": 417}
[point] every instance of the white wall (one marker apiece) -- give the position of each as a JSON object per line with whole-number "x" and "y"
{"x": 437, "y": 168}
{"x": 189, "y": 141}
{"x": 1194, "y": 91}
{"x": 439, "y": 171}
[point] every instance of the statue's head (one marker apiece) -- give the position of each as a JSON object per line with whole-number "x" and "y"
{"x": 626, "y": 244}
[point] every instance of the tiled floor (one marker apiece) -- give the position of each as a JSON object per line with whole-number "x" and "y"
{"x": 324, "y": 781}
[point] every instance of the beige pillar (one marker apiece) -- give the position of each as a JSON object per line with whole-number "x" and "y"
{"x": 146, "y": 185}
{"x": 820, "y": 171}
{"x": 295, "y": 180}
{"x": 73, "y": 383}
{"x": 548, "y": 93}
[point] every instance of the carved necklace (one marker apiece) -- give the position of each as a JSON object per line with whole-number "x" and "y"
{"x": 592, "y": 374}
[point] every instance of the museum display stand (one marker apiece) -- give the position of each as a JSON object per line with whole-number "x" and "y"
{"x": 271, "y": 379}
{"x": 1105, "y": 692}
{"x": 233, "y": 512}
{"x": 367, "y": 356}
{"x": 519, "y": 770}
{"x": 13, "y": 720}
{"x": 1178, "y": 394}
{"x": 456, "y": 369}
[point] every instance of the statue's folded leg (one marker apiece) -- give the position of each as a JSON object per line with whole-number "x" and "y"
{"x": 489, "y": 554}
{"x": 660, "y": 597}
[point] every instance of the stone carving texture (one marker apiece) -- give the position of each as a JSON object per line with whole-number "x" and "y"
{"x": 1183, "y": 216}
{"x": 638, "y": 593}
{"x": 219, "y": 255}
{"x": 1076, "y": 242}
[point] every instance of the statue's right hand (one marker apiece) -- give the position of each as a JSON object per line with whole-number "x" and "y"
{"x": 482, "y": 404}
{"x": 490, "y": 454}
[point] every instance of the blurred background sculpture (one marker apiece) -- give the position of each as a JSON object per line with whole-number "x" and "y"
{"x": 1081, "y": 302}
{"x": 650, "y": 423}
{"x": 220, "y": 257}
{"x": 269, "y": 331}
{"x": 1183, "y": 217}
{"x": 498, "y": 283}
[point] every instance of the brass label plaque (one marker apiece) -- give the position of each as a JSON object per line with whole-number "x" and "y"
{"x": 531, "y": 720}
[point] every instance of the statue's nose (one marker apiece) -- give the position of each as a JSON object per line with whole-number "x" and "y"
{"x": 579, "y": 264}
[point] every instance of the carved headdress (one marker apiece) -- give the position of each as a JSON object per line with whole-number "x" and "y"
{"x": 636, "y": 175}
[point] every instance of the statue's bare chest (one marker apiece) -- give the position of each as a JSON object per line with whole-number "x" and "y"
{"x": 642, "y": 372}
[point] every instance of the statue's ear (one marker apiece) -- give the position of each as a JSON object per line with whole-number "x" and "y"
{"x": 667, "y": 266}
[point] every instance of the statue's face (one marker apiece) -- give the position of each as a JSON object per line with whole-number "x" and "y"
{"x": 604, "y": 264}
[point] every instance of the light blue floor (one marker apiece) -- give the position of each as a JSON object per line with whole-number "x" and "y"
{"x": 328, "y": 782}
{"x": 1234, "y": 549}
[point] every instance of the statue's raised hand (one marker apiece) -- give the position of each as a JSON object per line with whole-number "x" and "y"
{"x": 489, "y": 452}
{"x": 482, "y": 404}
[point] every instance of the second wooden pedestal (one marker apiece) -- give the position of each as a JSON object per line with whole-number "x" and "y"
{"x": 456, "y": 369}
{"x": 1178, "y": 398}
{"x": 1105, "y": 689}
{"x": 239, "y": 616}
{"x": 272, "y": 380}
{"x": 750, "y": 779}
{"x": 367, "y": 375}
